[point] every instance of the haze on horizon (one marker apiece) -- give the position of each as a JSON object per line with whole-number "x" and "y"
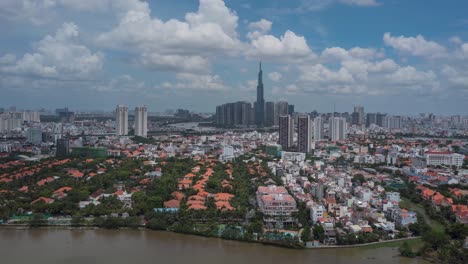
{"x": 395, "y": 56}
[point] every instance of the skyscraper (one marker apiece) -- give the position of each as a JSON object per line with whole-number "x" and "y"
{"x": 281, "y": 108}
{"x": 337, "y": 128}
{"x": 141, "y": 121}
{"x": 269, "y": 114}
{"x": 318, "y": 129}
{"x": 121, "y": 120}
{"x": 286, "y": 130}
{"x": 303, "y": 133}
{"x": 393, "y": 122}
{"x": 260, "y": 103}
{"x": 358, "y": 115}
{"x": 290, "y": 109}
{"x": 371, "y": 119}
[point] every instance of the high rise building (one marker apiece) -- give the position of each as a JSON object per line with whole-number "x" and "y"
{"x": 318, "y": 129}
{"x": 337, "y": 128}
{"x": 270, "y": 114}
{"x": 31, "y": 116}
{"x": 34, "y": 135}
{"x": 371, "y": 119}
{"x": 380, "y": 119}
{"x": 286, "y": 131}
{"x": 141, "y": 121}
{"x": 281, "y": 108}
{"x": 234, "y": 114}
{"x": 121, "y": 120}
{"x": 303, "y": 133}
{"x": 290, "y": 109}
{"x": 260, "y": 103}
{"x": 393, "y": 122}
{"x": 357, "y": 116}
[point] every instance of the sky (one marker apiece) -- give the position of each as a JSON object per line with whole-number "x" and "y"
{"x": 393, "y": 56}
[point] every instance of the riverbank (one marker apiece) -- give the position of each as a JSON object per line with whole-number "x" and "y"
{"x": 388, "y": 243}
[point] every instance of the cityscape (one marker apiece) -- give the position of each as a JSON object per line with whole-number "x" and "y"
{"x": 257, "y": 175}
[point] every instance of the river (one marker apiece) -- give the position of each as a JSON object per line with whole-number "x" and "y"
{"x": 49, "y": 246}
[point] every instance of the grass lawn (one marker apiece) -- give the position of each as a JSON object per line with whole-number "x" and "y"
{"x": 405, "y": 203}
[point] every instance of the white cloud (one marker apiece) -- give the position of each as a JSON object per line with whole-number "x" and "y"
{"x": 258, "y": 28}
{"x": 456, "y": 76}
{"x": 174, "y": 44}
{"x": 262, "y": 25}
{"x": 199, "y": 82}
{"x": 275, "y": 76}
{"x": 361, "y": 2}
{"x": 289, "y": 47}
{"x": 416, "y": 46}
{"x": 60, "y": 56}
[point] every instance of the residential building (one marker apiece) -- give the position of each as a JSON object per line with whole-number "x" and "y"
{"x": 121, "y": 120}
{"x": 286, "y": 130}
{"x": 303, "y": 133}
{"x": 337, "y": 128}
{"x": 34, "y": 135}
{"x": 317, "y": 212}
{"x": 358, "y": 116}
{"x": 318, "y": 129}
{"x": 270, "y": 114}
{"x": 276, "y": 204}
{"x": 435, "y": 158}
{"x": 393, "y": 122}
{"x": 141, "y": 121}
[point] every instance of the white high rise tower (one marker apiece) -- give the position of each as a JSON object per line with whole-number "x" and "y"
{"x": 121, "y": 120}
{"x": 337, "y": 128}
{"x": 318, "y": 129}
{"x": 141, "y": 121}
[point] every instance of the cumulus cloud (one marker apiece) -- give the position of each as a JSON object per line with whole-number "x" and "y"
{"x": 182, "y": 46}
{"x": 259, "y": 28}
{"x": 60, "y": 56}
{"x": 416, "y": 46}
{"x": 288, "y": 48}
{"x": 456, "y": 76}
{"x": 275, "y": 76}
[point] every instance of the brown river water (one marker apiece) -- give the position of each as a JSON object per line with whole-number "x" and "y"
{"x": 49, "y": 246}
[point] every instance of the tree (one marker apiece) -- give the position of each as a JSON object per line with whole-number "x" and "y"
{"x": 406, "y": 251}
{"x": 319, "y": 232}
{"x": 36, "y": 220}
{"x": 435, "y": 239}
{"x": 305, "y": 236}
{"x": 359, "y": 178}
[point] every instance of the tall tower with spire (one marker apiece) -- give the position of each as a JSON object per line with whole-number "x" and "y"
{"x": 260, "y": 103}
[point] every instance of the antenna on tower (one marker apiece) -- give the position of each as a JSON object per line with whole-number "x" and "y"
{"x": 260, "y": 66}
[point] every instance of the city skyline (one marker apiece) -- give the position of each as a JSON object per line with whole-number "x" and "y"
{"x": 313, "y": 57}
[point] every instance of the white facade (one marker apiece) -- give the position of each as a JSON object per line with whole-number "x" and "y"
{"x": 393, "y": 122}
{"x": 337, "y": 128}
{"x": 444, "y": 158}
{"x": 316, "y": 212}
{"x": 121, "y": 120}
{"x": 318, "y": 129}
{"x": 10, "y": 121}
{"x": 141, "y": 121}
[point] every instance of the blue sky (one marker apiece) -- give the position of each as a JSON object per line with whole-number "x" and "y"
{"x": 392, "y": 56}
